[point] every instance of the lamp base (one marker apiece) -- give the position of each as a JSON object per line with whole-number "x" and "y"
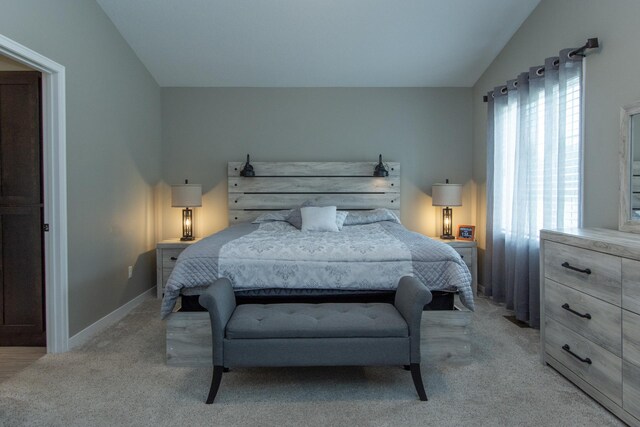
{"x": 187, "y": 239}
{"x": 447, "y": 237}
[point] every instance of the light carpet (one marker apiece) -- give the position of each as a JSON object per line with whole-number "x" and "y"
{"x": 120, "y": 378}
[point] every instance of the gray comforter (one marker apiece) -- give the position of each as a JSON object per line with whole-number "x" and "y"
{"x": 359, "y": 258}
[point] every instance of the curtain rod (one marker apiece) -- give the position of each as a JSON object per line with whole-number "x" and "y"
{"x": 591, "y": 43}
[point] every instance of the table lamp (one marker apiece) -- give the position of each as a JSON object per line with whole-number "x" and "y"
{"x": 186, "y": 196}
{"x": 446, "y": 195}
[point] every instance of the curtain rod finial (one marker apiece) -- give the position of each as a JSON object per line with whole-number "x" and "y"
{"x": 591, "y": 43}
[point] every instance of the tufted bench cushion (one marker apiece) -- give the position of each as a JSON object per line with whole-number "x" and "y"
{"x": 335, "y": 320}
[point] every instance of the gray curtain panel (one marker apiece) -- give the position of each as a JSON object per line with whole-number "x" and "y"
{"x": 534, "y": 176}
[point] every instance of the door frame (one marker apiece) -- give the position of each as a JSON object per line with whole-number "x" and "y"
{"x": 54, "y": 174}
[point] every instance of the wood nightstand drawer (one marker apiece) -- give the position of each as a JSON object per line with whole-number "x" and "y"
{"x": 466, "y": 254}
{"x": 604, "y": 372}
{"x": 600, "y": 275}
{"x": 166, "y": 272}
{"x": 169, "y": 257}
{"x": 167, "y": 253}
{"x": 594, "y": 319}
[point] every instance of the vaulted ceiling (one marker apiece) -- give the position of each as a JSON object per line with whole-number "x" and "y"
{"x": 317, "y": 43}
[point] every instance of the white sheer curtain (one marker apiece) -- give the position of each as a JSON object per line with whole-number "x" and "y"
{"x": 534, "y": 176}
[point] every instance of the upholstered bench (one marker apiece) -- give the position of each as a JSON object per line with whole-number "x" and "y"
{"x": 333, "y": 334}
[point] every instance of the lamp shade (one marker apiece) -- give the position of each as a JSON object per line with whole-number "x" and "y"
{"x": 186, "y": 195}
{"x": 446, "y": 195}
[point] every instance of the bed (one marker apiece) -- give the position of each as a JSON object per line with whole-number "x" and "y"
{"x": 273, "y": 258}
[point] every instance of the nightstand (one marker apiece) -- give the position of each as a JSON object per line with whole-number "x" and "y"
{"x": 468, "y": 250}
{"x": 167, "y": 252}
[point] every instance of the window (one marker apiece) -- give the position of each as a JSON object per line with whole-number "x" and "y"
{"x": 535, "y": 176}
{"x": 537, "y": 157}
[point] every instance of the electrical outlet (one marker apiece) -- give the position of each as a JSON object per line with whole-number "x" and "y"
{"x": 130, "y": 271}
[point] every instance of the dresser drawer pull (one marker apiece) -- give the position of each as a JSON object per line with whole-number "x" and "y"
{"x": 568, "y": 350}
{"x": 568, "y": 308}
{"x": 173, "y": 258}
{"x": 580, "y": 270}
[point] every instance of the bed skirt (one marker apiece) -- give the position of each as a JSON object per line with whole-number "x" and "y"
{"x": 442, "y": 300}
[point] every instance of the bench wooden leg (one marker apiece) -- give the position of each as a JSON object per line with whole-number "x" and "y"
{"x": 215, "y": 383}
{"x": 417, "y": 381}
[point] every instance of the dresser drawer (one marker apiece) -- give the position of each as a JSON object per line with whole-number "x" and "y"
{"x": 169, "y": 257}
{"x": 592, "y": 318}
{"x": 602, "y": 277}
{"x": 605, "y": 370}
{"x": 631, "y": 389}
{"x": 631, "y": 285}
{"x": 631, "y": 337}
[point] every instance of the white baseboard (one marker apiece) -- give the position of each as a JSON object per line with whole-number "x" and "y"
{"x": 110, "y": 319}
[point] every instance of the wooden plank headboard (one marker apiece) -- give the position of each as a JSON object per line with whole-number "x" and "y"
{"x": 285, "y": 185}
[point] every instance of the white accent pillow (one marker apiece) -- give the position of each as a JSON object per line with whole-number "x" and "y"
{"x": 319, "y": 219}
{"x": 295, "y": 217}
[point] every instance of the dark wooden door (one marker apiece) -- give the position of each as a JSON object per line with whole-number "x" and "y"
{"x": 22, "y": 320}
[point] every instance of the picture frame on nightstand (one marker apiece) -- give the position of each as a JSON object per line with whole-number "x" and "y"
{"x": 466, "y": 232}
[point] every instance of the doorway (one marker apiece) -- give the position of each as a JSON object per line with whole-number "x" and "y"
{"x": 54, "y": 189}
{"x": 22, "y": 286}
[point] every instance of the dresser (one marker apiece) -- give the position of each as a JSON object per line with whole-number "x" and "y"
{"x": 468, "y": 251}
{"x": 590, "y": 314}
{"x": 167, "y": 252}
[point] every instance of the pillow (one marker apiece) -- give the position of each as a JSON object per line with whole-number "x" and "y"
{"x": 341, "y": 216}
{"x": 319, "y": 218}
{"x": 272, "y": 216}
{"x": 369, "y": 217}
{"x": 295, "y": 218}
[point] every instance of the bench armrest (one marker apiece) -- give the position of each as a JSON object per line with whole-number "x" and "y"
{"x": 220, "y": 301}
{"x": 411, "y": 297}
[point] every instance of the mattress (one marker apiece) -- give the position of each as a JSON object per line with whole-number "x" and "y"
{"x": 277, "y": 256}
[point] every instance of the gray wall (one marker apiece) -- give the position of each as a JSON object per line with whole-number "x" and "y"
{"x": 427, "y": 130}
{"x": 611, "y": 81}
{"x": 113, "y": 150}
